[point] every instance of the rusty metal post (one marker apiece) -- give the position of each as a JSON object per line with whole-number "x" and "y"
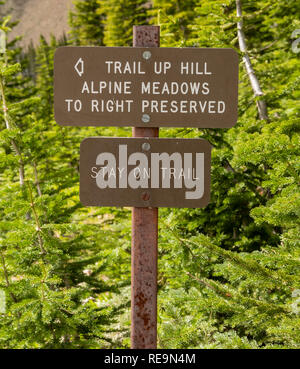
{"x": 144, "y": 239}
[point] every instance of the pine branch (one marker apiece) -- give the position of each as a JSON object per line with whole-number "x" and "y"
{"x": 6, "y": 276}
{"x": 251, "y": 266}
{"x": 236, "y": 297}
{"x": 37, "y": 221}
{"x": 206, "y": 284}
{"x": 179, "y": 239}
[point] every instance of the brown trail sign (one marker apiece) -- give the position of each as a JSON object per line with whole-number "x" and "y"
{"x": 153, "y": 87}
{"x": 145, "y": 172}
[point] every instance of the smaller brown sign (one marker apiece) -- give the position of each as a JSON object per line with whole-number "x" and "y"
{"x": 145, "y": 172}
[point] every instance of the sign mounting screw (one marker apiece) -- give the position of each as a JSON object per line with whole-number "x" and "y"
{"x": 146, "y": 146}
{"x": 146, "y": 118}
{"x": 146, "y": 55}
{"x": 145, "y": 196}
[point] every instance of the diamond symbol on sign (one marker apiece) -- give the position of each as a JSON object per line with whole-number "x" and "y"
{"x": 79, "y": 67}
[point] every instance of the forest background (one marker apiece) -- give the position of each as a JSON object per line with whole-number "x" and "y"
{"x": 228, "y": 273}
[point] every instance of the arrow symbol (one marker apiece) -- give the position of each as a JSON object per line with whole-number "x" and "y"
{"x": 79, "y": 67}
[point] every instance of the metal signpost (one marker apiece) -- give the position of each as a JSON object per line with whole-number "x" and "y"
{"x": 144, "y": 239}
{"x": 145, "y": 87}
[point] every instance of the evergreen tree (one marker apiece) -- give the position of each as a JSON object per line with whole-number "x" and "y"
{"x": 86, "y": 23}
{"x": 175, "y": 18}
{"x": 121, "y": 16}
{"x": 53, "y": 269}
{"x": 44, "y": 72}
{"x": 248, "y": 299}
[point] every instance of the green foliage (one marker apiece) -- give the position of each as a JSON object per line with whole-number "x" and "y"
{"x": 86, "y": 23}
{"x": 174, "y": 18}
{"x": 53, "y": 256}
{"x": 229, "y": 273}
{"x": 246, "y": 295}
{"x": 120, "y": 17}
{"x": 231, "y": 300}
